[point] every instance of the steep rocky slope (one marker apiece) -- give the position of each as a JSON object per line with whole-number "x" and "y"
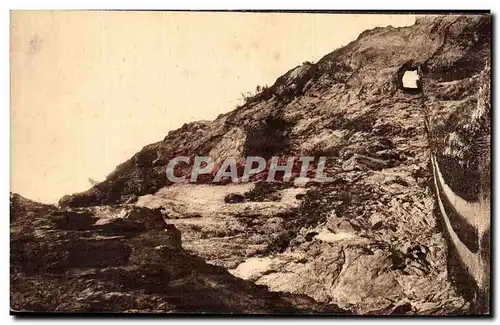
{"x": 456, "y": 99}
{"x": 368, "y": 242}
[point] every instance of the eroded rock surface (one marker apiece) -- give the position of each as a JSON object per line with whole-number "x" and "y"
{"x": 128, "y": 260}
{"x": 378, "y": 257}
{"x": 369, "y": 241}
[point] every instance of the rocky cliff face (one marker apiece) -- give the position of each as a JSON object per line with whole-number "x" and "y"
{"x": 368, "y": 242}
{"x": 340, "y": 106}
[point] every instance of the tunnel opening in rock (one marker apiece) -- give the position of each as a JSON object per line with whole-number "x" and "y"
{"x": 410, "y": 80}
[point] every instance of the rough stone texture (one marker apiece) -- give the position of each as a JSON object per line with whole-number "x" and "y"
{"x": 368, "y": 242}
{"x": 130, "y": 262}
{"x": 456, "y": 98}
{"x": 348, "y": 102}
{"x": 369, "y": 258}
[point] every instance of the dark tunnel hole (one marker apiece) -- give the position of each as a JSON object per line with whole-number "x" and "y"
{"x": 409, "y": 79}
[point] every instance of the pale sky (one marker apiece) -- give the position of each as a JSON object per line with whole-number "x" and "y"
{"x": 90, "y": 89}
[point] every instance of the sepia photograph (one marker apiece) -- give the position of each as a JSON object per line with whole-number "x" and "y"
{"x": 250, "y": 163}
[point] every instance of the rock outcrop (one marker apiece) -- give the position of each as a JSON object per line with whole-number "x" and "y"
{"x": 124, "y": 259}
{"x": 342, "y": 106}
